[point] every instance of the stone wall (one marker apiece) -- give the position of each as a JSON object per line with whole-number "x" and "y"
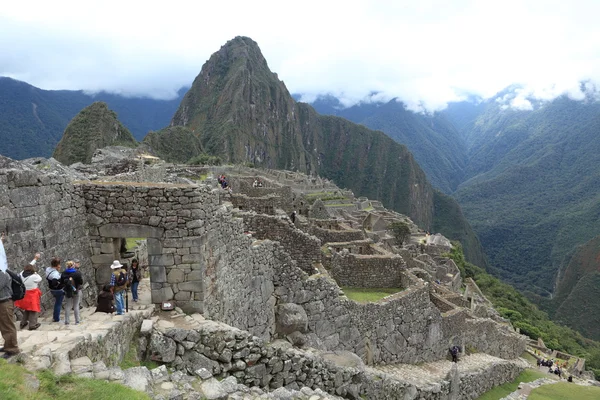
{"x": 173, "y": 220}
{"x": 261, "y": 205}
{"x": 367, "y": 271}
{"x": 402, "y": 328}
{"x": 226, "y": 351}
{"x": 303, "y": 248}
{"x": 43, "y": 213}
{"x": 330, "y": 235}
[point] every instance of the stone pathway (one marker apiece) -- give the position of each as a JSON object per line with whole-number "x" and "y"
{"x": 428, "y": 376}
{"x": 54, "y": 344}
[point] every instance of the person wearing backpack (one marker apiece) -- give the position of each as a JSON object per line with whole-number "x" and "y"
{"x": 7, "y": 316}
{"x": 56, "y": 286}
{"x": 72, "y": 281}
{"x": 118, "y": 280}
{"x": 30, "y": 303}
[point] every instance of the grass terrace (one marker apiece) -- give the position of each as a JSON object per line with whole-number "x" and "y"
{"x": 529, "y": 375}
{"x": 368, "y": 295}
{"x": 565, "y": 391}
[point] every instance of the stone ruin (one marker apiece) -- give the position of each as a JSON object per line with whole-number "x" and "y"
{"x": 237, "y": 258}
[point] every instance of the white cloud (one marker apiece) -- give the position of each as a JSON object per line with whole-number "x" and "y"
{"x": 425, "y": 53}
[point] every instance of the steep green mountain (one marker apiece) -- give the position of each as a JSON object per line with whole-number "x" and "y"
{"x": 432, "y": 138}
{"x": 33, "y": 120}
{"x": 242, "y": 112}
{"x": 175, "y": 144}
{"x": 533, "y": 193}
{"x": 93, "y": 128}
{"x": 577, "y": 296}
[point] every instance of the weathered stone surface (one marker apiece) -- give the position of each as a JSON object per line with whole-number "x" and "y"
{"x": 213, "y": 390}
{"x": 160, "y": 374}
{"x": 162, "y": 348}
{"x": 130, "y": 231}
{"x": 146, "y": 327}
{"x": 81, "y": 365}
{"x": 290, "y": 318}
{"x": 138, "y": 378}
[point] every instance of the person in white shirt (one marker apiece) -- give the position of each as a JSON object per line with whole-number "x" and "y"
{"x": 30, "y": 304}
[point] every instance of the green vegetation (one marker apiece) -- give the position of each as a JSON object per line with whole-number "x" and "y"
{"x": 368, "y": 295}
{"x": 204, "y": 159}
{"x": 93, "y": 128}
{"x": 131, "y": 242}
{"x": 33, "y": 120}
{"x": 401, "y": 231}
{"x": 13, "y": 386}
{"x": 131, "y": 359}
{"x": 528, "y": 375}
{"x": 526, "y": 316}
{"x": 174, "y": 144}
{"x": 565, "y": 391}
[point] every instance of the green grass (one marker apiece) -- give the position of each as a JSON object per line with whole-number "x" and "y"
{"x": 529, "y": 375}
{"x": 131, "y": 360}
{"x": 531, "y": 359}
{"x": 565, "y": 391}
{"x": 131, "y": 242}
{"x": 367, "y": 295}
{"x": 68, "y": 387}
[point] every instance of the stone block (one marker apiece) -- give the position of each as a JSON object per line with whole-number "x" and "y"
{"x": 107, "y": 248}
{"x": 183, "y": 295}
{"x": 103, "y": 274}
{"x": 103, "y": 259}
{"x": 176, "y": 275}
{"x": 154, "y": 246}
{"x": 130, "y": 230}
{"x": 158, "y": 273}
{"x": 191, "y": 286}
{"x": 191, "y": 307}
{"x": 195, "y": 275}
{"x": 191, "y": 258}
{"x": 212, "y": 390}
{"x": 164, "y": 294}
{"x": 290, "y": 318}
{"x": 137, "y": 378}
{"x": 161, "y": 260}
{"x": 146, "y": 328}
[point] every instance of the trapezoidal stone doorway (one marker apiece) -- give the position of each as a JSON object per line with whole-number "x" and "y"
{"x": 170, "y": 217}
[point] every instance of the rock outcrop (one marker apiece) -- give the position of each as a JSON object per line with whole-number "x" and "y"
{"x": 93, "y": 128}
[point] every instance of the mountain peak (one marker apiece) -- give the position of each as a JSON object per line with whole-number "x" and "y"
{"x": 95, "y": 126}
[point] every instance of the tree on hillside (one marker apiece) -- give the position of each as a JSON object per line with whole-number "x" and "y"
{"x": 400, "y": 230}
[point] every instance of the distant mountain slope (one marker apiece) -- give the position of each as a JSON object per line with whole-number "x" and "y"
{"x": 534, "y": 191}
{"x": 92, "y": 128}
{"x": 242, "y": 112}
{"x": 577, "y": 301}
{"x": 436, "y": 144}
{"x": 33, "y": 120}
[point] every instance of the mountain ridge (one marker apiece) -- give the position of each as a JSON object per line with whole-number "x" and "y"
{"x": 242, "y": 112}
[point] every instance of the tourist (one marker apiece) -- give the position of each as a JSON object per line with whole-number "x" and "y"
{"x": 454, "y": 351}
{"x": 135, "y": 277}
{"x": 105, "y": 300}
{"x": 255, "y": 184}
{"x": 7, "y": 322}
{"x": 56, "y": 286}
{"x": 293, "y": 217}
{"x": 118, "y": 280}
{"x": 72, "y": 282}
{"x": 570, "y": 379}
{"x": 30, "y": 304}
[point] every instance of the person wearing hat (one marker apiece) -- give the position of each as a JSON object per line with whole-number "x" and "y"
{"x": 118, "y": 280}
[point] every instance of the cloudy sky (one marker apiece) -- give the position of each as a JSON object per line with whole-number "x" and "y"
{"x": 424, "y": 52}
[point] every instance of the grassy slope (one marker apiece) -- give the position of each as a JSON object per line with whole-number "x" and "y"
{"x": 529, "y": 375}
{"x": 565, "y": 391}
{"x": 13, "y": 386}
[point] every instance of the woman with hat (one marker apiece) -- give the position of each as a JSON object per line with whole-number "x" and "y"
{"x": 118, "y": 280}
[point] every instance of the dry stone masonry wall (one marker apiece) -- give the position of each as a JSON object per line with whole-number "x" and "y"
{"x": 368, "y": 271}
{"x": 303, "y": 248}
{"x": 43, "y": 213}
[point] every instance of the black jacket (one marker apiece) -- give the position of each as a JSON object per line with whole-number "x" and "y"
{"x": 105, "y": 300}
